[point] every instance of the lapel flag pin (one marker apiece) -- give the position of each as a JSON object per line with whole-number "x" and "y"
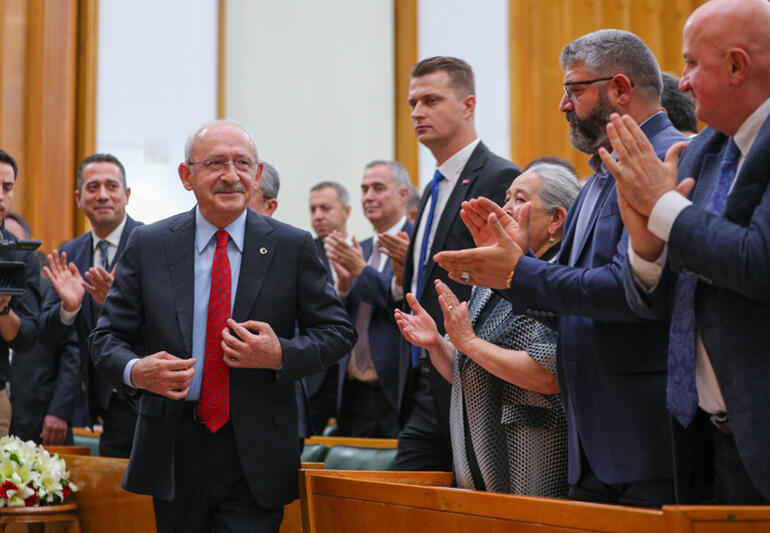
{"x": 263, "y": 250}
{"x": 466, "y": 181}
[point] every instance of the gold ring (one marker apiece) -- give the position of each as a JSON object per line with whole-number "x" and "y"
{"x": 465, "y": 276}
{"x": 451, "y": 307}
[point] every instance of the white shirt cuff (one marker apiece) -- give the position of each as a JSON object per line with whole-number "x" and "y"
{"x": 127, "y": 372}
{"x": 646, "y": 274}
{"x": 664, "y": 213}
{"x": 68, "y": 317}
{"x": 396, "y": 290}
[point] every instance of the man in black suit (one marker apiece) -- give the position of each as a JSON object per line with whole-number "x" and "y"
{"x": 45, "y": 380}
{"x": 329, "y": 212}
{"x": 18, "y": 313}
{"x": 81, "y": 273}
{"x": 230, "y": 307}
{"x": 442, "y": 98}
{"x": 369, "y": 375}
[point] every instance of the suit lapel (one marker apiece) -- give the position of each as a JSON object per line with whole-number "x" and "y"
{"x": 180, "y": 257}
{"x": 452, "y": 208}
{"x": 259, "y": 248}
{"x": 609, "y": 183}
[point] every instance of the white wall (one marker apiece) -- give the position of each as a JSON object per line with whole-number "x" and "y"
{"x": 313, "y": 81}
{"x": 478, "y": 33}
{"x": 157, "y": 82}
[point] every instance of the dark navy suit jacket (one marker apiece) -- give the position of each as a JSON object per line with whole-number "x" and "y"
{"x": 730, "y": 255}
{"x": 282, "y": 282}
{"x": 611, "y": 362}
{"x": 80, "y": 251}
{"x": 384, "y": 337}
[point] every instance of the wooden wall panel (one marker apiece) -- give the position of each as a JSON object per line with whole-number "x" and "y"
{"x": 405, "y": 28}
{"x": 48, "y": 106}
{"x": 541, "y": 28}
{"x": 51, "y": 134}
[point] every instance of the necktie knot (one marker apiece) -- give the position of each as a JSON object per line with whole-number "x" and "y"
{"x": 104, "y": 247}
{"x": 437, "y": 177}
{"x": 222, "y": 238}
{"x": 732, "y": 153}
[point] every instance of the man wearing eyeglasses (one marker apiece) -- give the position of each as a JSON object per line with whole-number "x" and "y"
{"x": 81, "y": 273}
{"x": 231, "y": 308}
{"x": 612, "y": 364}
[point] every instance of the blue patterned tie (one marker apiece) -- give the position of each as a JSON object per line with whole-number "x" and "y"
{"x": 103, "y": 248}
{"x": 437, "y": 177}
{"x": 681, "y": 392}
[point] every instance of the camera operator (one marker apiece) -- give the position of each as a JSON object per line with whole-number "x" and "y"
{"x": 18, "y": 313}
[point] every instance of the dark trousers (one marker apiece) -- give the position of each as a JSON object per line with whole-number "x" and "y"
{"x": 212, "y": 494}
{"x": 323, "y": 405}
{"x": 119, "y": 423}
{"x": 589, "y": 488}
{"x": 365, "y": 412}
{"x": 424, "y": 442}
{"x": 732, "y": 484}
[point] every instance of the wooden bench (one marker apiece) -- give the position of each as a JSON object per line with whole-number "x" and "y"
{"x": 345, "y": 501}
{"x": 103, "y": 505}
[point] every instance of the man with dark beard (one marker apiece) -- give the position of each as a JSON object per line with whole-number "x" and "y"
{"x": 611, "y": 363}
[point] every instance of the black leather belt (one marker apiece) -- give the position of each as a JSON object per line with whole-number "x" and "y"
{"x": 721, "y": 422}
{"x": 190, "y": 412}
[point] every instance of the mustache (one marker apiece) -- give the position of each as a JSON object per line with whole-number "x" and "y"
{"x": 228, "y": 187}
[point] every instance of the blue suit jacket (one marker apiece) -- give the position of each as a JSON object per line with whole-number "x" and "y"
{"x": 80, "y": 251}
{"x": 283, "y": 283}
{"x": 730, "y": 254}
{"x": 612, "y": 363}
{"x": 384, "y": 337}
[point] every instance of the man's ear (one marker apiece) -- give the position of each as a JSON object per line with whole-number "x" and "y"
{"x": 469, "y": 102}
{"x": 739, "y": 63}
{"x": 622, "y": 88}
{"x": 185, "y": 174}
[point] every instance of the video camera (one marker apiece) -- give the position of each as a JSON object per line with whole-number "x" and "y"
{"x": 13, "y": 277}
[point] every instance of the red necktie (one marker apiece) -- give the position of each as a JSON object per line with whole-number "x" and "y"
{"x": 214, "y": 402}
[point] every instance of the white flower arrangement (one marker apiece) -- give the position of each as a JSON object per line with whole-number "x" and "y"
{"x": 30, "y": 476}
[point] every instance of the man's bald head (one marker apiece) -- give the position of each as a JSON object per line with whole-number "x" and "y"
{"x": 727, "y": 53}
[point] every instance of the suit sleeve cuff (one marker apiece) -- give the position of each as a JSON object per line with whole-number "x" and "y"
{"x": 127, "y": 372}
{"x": 68, "y": 317}
{"x": 646, "y": 273}
{"x": 664, "y": 213}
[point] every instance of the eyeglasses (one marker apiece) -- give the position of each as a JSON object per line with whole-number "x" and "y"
{"x": 220, "y": 165}
{"x": 569, "y": 84}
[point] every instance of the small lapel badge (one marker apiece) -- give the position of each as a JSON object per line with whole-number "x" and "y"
{"x": 466, "y": 181}
{"x": 263, "y": 250}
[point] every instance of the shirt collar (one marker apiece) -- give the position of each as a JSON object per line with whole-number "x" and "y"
{"x": 747, "y": 133}
{"x": 395, "y": 228}
{"x": 453, "y": 167}
{"x": 113, "y": 238}
{"x": 205, "y": 230}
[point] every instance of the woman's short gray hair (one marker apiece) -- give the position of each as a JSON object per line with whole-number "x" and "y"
{"x": 558, "y": 186}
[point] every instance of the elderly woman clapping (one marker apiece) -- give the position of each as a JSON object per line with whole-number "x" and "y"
{"x": 506, "y": 419}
